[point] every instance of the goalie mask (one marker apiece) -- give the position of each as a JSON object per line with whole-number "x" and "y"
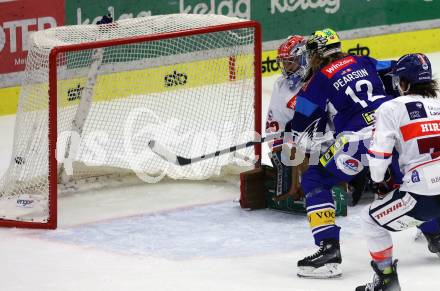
{"x": 293, "y": 60}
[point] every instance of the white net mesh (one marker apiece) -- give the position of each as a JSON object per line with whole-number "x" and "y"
{"x": 193, "y": 94}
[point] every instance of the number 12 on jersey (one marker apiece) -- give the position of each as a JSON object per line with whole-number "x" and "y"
{"x": 360, "y": 87}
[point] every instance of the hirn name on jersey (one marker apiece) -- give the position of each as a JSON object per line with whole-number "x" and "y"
{"x": 341, "y": 82}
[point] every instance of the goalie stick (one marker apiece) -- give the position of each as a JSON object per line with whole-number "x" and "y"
{"x": 165, "y": 154}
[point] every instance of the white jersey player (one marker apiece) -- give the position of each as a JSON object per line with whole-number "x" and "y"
{"x": 293, "y": 63}
{"x": 281, "y": 108}
{"x": 410, "y": 127}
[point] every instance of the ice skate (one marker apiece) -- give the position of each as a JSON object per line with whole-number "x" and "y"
{"x": 433, "y": 242}
{"x": 325, "y": 263}
{"x": 381, "y": 281}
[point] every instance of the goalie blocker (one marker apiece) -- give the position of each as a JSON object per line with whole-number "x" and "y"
{"x": 266, "y": 187}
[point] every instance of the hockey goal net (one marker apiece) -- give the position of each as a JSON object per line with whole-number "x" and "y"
{"x": 93, "y": 96}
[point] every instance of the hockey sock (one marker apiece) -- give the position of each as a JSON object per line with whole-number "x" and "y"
{"x": 321, "y": 214}
{"x": 384, "y": 260}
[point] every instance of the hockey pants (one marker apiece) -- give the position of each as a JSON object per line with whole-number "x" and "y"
{"x": 397, "y": 211}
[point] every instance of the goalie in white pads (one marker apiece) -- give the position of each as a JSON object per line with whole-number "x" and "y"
{"x": 293, "y": 61}
{"x": 410, "y": 125}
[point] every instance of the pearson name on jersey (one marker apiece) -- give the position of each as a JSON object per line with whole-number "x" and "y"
{"x": 348, "y": 89}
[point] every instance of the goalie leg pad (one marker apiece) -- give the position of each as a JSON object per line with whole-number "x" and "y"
{"x": 283, "y": 174}
{"x": 252, "y": 189}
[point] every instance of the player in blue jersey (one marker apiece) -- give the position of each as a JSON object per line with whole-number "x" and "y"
{"x": 344, "y": 90}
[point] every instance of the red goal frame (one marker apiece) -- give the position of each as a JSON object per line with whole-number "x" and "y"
{"x": 53, "y": 106}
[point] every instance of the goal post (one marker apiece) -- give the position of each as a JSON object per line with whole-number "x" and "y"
{"x": 94, "y": 95}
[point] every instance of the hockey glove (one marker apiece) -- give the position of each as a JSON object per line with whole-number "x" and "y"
{"x": 384, "y": 187}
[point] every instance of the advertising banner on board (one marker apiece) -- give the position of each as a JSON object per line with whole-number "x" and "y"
{"x": 18, "y": 19}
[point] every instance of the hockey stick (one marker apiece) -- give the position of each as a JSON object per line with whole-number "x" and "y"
{"x": 165, "y": 154}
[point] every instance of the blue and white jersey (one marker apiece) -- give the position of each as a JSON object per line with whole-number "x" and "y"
{"x": 347, "y": 91}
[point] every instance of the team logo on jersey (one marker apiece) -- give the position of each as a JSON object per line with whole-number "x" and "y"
{"x": 292, "y": 103}
{"x": 349, "y": 165}
{"x": 416, "y": 110}
{"x": 330, "y": 70}
{"x": 415, "y": 176}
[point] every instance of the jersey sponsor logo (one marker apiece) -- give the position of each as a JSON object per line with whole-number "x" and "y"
{"x": 432, "y": 175}
{"x": 292, "y": 103}
{"x": 368, "y": 117}
{"x": 435, "y": 180}
{"x": 416, "y": 110}
{"x": 349, "y": 165}
{"x": 419, "y": 129}
{"x": 434, "y": 110}
{"x": 330, "y": 70}
{"x": 415, "y": 177}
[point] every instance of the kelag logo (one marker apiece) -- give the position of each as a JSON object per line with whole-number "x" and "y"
{"x": 238, "y": 8}
{"x": 283, "y": 6}
{"x": 175, "y": 79}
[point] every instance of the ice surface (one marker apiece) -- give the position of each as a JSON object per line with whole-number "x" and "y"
{"x": 186, "y": 236}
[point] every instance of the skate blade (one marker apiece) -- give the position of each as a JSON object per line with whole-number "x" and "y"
{"x": 325, "y": 272}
